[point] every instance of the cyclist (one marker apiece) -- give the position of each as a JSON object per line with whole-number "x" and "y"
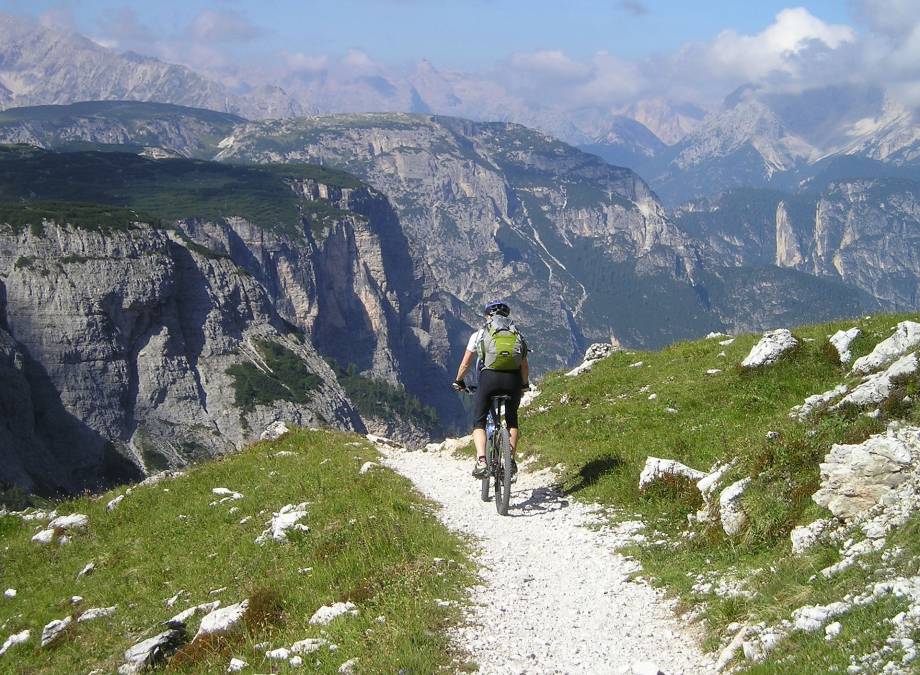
{"x": 494, "y": 382}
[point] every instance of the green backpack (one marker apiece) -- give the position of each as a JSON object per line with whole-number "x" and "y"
{"x": 501, "y": 347}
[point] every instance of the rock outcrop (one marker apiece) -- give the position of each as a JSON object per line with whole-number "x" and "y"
{"x": 119, "y": 344}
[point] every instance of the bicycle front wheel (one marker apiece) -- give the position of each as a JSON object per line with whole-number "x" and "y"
{"x": 503, "y": 475}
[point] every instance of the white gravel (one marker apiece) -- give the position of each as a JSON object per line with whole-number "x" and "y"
{"x": 554, "y": 597}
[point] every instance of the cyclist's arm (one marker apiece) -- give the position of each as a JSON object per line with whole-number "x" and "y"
{"x": 525, "y": 371}
{"x": 465, "y": 365}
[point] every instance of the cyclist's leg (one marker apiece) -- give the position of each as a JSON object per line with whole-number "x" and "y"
{"x": 511, "y": 411}
{"x": 480, "y": 411}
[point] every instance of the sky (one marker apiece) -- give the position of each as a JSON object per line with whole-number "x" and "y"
{"x": 588, "y": 53}
{"x": 454, "y": 34}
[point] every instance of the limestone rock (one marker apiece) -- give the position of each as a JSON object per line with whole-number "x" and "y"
{"x": 731, "y": 514}
{"x": 906, "y": 338}
{"x": 327, "y": 613}
{"x": 876, "y": 387}
{"x": 813, "y": 617}
{"x": 806, "y": 536}
{"x": 817, "y": 402}
{"x": 114, "y": 503}
{"x": 223, "y": 620}
{"x": 288, "y": 518}
{"x": 595, "y": 353}
{"x": 153, "y": 651}
{"x": 367, "y": 466}
{"x": 841, "y": 340}
{"x": 308, "y": 646}
{"x": 280, "y": 654}
{"x": 856, "y": 477}
{"x": 87, "y": 569}
{"x": 97, "y": 613}
{"x": 236, "y": 665}
{"x": 182, "y": 617}
{"x": 43, "y": 537}
{"x": 349, "y": 667}
{"x": 450, "y": 444}
{"x": 74, "y": 521}
{"x": 54, "y": 629}
{"x": 9, "y": 593}
{"x": 274, "y": 431}
{"x": 14, "y": 639}
{"x": 656, "y": 469}
{"x": 771, "y": 347}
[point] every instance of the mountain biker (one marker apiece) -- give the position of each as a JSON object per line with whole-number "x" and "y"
{"x": 493, "y": 382}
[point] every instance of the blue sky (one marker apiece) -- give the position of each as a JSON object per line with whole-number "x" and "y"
{"x": 468, "y": 34}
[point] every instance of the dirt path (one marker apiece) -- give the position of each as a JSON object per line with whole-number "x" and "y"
{"x": 555, "y": 597}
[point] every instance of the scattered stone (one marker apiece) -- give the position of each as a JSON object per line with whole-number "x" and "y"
{"x": 672, "y": 411}
{"x": 707, "y": 487}
{"x": 832, "y": 630}
{"x": 37, "y": 515}
{"x": 856, "y": 477}
{"x": 54, "y": 629}
{"x": 771, "y": 347}
{"x": 656, "y": 469}
{"x": 637, "y": 364}
{"x": 174, "y": 599}
{"x": 529, "y": 396}
{"x": 15, "y": 639}
{"x": 86, "y": 570}
{"x": 73, "y": 521}
{"x": 813, "y": 617}
{"x": 182, "y": 617}
{"x": 9, "y": 593}
{"x": 714, "y": 335}
{"x": 305, "y": 570}
{"x": 731, "y": 514}
{"x": 876, "y": 388}
{"x": 285, "y": 453}
{"x": 308, "y": 646}
{"x": 595, "y": 353}
{"x": 224, "y": 492}
{"x": 449, "y": 444}
{"x": 115, "y": 502}
{"x": 96, "y": 613}
{"x": 728, "y": 653}
{"x": 153, "y": 651}
{"x": 653, "y": 397}
{"x": 295, "y": 662}
{"x": 367, "y": 466}
{"x": 842, "y": 340}
{"x": 44, "y": 537}
{"x": 349, "y": 667}
{"x": 727, "y": 342}
{"x": 380, "y": 619}
{"x": 288, "y": 518}
{"x": 905, "y": 338}
{"x": 274, "y": 431}
{"x": 217, "y": 590}
{"x": 160, "y": 477}
{"x": 803, "y": 538}
{"x": 327, "y": 613}
{"x": 236, "y": 665}
{"x": 383, "y": 442}
{"x": 817, "y": 401}
{"x": 713, "y": 371}
{"x": 280, "y": 654}
{"x": 223, "y": 620}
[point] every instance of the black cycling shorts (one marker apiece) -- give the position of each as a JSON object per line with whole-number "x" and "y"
{"x": 495, "y": 383}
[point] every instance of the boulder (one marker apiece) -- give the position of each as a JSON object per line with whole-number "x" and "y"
{"x": 656, "y": 469}
{"x": 73, "y": 521}
{"x": 280, "y": 654}
{"x": 153, "y": 651}
{"x": 450, "y": 444}
{"x": 288, "y": 518}
{"x": 274, "y": 431}
{"x": 327, "y": 613}
{"x": 13, "y": 640}
{"x": 707, "y": 487}
{"x": 771, "y": 347}
{"x": 595, "y": 353}
{"x": 731, "y": 514}
{"x": 806, "y": 536}
{"x": 43, "y": 537}
{"x": 182, "y": 617}
{"x": 223, "y": 620}
{"x": 876, "y": 388}
{"x": 96, "y": 613}
{"x": 841, "y": 340}
{"x": 54, "y": 629}
{"x": 813, "y": 617}
{"x": 817, "y": 402}
{"x": 906, "y": 338}
{"x": 854, "y": 478}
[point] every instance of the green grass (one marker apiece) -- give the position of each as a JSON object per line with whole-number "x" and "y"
{"x": 288, "y": 378}
{"x": 607, "y": 428}
{"x": 371, "y": 540}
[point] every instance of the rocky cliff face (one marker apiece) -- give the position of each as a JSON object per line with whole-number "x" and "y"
{"x": 863, "y": 233}
{"x": 130, "y": 350}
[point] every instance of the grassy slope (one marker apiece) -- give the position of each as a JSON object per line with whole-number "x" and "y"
{"x": 370, "y": 540}
{"x": 607, "y": 428}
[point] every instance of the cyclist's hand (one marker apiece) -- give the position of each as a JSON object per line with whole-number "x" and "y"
{"x": 525, "y": 386}
{"x": 459, "y": 385}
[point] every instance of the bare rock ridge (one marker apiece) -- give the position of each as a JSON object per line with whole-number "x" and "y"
{"x": 120, "y": 343}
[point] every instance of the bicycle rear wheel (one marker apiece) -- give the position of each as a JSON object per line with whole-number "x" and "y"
{"x": 485, "y": 485}
{"x": 503, "y": 474}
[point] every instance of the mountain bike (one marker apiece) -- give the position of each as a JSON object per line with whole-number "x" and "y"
{"x": 498, "y": 454}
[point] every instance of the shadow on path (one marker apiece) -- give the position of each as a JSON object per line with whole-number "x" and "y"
{"x": 541, "y": 500}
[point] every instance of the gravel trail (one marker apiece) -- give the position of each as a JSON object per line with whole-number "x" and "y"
{"x": 555, "y": 596}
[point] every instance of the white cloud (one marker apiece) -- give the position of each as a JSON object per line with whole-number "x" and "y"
{"x": 223, "y": 25}
{"x": 549, "y": 63}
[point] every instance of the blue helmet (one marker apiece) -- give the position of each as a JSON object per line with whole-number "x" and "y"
{"x": 497, "y": 307}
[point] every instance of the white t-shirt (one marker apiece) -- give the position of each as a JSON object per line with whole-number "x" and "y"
{"x": 473, "y": 344}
